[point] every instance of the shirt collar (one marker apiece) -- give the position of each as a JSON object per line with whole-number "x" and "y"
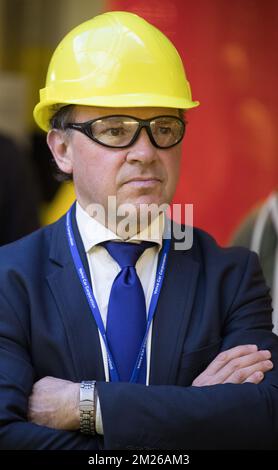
{"x": 93, "y": 232}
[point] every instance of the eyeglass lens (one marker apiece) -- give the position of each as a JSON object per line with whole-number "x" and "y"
{"x": 120, "y": 130}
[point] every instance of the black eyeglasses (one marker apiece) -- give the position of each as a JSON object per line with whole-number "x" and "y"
{"x": 120, "y": 131}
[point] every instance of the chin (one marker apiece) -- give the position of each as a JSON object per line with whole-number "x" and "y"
{"x": 147, "y": 200}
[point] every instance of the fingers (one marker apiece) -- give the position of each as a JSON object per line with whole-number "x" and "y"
{"x": 255, "y": 378}
{"x": 235, "y": 369}
{"x": 242, "y": 375}
{"x": 236, "y": 365}
{"x": 226, "y": 356}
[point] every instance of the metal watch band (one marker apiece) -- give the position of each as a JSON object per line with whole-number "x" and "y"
{"x": 87, "y": 407}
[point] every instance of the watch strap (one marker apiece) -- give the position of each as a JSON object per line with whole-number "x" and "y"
{"x": 87, "y": 407}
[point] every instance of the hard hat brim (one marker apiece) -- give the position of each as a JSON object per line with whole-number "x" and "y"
{"x": 43, "y": 112}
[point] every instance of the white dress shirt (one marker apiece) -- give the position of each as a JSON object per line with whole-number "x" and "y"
{"x": 104, "y": 269}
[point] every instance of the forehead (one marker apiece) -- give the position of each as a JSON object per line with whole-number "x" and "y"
{"x": 85, "y": 113}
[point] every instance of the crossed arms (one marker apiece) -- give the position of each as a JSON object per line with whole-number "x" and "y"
{"x": 55, "y": 402}
{"x": 229, "y": 405}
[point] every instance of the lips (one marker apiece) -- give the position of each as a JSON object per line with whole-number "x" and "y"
{"x": 143, "y": 180}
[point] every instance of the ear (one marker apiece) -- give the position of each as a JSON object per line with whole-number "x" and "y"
{"x": 58, "y": 142}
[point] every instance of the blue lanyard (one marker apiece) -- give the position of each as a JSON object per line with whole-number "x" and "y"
{"x": 94, "y": 307}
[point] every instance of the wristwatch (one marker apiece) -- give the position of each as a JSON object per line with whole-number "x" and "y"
{"x": 87, "y": 407}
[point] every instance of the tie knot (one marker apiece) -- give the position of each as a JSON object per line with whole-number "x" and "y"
{"x": 126, "y": 253}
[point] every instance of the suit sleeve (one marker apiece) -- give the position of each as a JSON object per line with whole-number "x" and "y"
{"x": 16, "y": 381}
{"x": 225, "y": 416}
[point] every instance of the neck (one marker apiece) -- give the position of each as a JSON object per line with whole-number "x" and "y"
{"x": 133, "y": 222}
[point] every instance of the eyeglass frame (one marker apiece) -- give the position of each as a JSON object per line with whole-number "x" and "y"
{"x": 85, "y": 128}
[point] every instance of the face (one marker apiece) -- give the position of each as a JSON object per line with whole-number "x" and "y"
{"x": 139, "y": 174}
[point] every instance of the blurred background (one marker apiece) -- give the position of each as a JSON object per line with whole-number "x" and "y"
{"x": 229, "y": 49}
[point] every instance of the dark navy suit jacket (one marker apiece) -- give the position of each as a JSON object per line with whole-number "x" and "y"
{"x": 212, "y": 299}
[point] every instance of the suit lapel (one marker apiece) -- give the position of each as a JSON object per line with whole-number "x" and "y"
{"x": 81, "y": 330}
{"x": 173, "y": 315}
{"x": 170, "y": 322}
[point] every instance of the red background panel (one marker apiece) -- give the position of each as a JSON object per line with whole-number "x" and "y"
{"x": 229, "y": 49}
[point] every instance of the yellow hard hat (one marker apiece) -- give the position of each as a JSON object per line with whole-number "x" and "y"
{"x": 116, "y": 59}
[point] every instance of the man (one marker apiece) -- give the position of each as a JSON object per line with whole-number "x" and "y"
{"x": 82, "y": 365}
{"x": 19, "y": 195}
{"x": 259, "y": 232}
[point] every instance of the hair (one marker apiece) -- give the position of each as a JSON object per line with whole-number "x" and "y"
{"x": 182, "y": 114}
{"x": 61, "y": 116}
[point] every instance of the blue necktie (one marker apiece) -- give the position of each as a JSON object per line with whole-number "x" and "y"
{"x": 126, "y": 317}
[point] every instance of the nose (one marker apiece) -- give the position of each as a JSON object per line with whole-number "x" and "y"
{"x": 142, "y": 151}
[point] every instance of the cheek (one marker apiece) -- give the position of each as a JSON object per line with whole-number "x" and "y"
{"x": 95, "y": 173}
{"x": 172, "y": 165}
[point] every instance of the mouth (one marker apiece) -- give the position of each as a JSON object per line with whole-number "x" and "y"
{"x": 143, "y": 181}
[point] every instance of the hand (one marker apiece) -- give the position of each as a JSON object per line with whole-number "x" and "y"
{"x": 55, "y": 403}
{"x": 237, "y": 365}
